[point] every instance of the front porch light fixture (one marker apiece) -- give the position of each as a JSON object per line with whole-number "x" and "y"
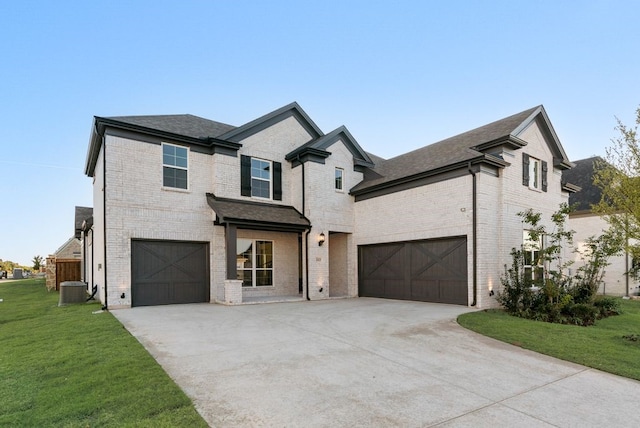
{"x": 321, "y": 239}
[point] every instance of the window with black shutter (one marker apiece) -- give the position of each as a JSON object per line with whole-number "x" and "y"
{"x": 534, "y": 173}
{"x": 525, "y": 169}
{"x": 260, "y": 178}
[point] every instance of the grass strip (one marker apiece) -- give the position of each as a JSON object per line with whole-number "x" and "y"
{"x": 75, "y": 366}
{"x": 608, "y": 345}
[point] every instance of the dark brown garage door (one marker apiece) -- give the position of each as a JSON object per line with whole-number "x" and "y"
{"x": 432, "y": 270}
{"x": 167, "y": 272}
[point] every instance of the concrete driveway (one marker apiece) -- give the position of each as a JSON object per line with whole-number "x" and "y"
{"x": 368, "y": 362}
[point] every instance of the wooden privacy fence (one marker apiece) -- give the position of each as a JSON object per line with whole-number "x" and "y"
{"x": 60, "y": 270}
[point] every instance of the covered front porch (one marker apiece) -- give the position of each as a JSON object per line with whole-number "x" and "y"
{"x": 264, "y": 252}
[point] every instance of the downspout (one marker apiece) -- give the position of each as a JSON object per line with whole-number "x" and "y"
{"x": 84, "y": 255}
{"x": 475, "y": 229}
{"x": 306, "y": 235}
{"x": 93, "y": 278}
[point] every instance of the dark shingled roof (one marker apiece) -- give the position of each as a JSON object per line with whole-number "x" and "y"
{"x": 180, "y": 124}
{"x": 256, "y": 214}
{"x": 582, "y": 176}
{"x": 82, "y": 214}
{"x": 446, "y": 152}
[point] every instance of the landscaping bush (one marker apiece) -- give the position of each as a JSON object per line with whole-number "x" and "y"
{"x": 553, "y": 296}
{"x": 583, "y": 314}
{"x": 607, "y": 306}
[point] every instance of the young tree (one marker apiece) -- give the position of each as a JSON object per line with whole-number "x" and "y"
{"x": 619, "y": 180}
{"x": 37, "y": 262}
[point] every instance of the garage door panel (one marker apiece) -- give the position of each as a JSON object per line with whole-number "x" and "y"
{"x": 427, "y": 270}
{"x": 372, "y": 287}
{"x": 154, "y": 293}
{"x": 426, "y": 291}
{"x": 395, "y": 289}
{"x": 449, "y": 292}
{"x": 168, "y": 272}
{"x": 386, "y": 262}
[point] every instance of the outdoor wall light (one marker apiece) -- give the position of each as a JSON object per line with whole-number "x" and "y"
{"x": 321, "y": 239}
{"x": 491, "y": 293}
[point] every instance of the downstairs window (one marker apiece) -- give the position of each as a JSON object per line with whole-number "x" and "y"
{"x": 255, "y": 262}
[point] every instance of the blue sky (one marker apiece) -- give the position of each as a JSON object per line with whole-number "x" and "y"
{"x": 398, "y": 74}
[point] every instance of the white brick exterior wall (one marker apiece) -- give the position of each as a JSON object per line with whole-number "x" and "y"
{"x": 140, "y": 208}
{"x": 271, "y": 144}
{"x": 445, "y": 209}
{"x": 329, "y": 211}
{"x": 615, "y": 279}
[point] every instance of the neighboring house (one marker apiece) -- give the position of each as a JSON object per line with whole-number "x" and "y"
{"x": 64, "y": 264}
{"x": 586, "y": 223}
{"x": 69, "y": 250}
{"x": 191, "y": 210}
{"x": 83, "y": 232}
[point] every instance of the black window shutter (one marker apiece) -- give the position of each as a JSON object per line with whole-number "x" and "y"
{"x": 525, "y": 169}
{"x": 544, "y": 176}
{"x": 245, "y": 175}
{"x": 277, "y": 181}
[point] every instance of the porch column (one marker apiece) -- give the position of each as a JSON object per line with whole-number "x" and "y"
{"x": 231, "y": 235}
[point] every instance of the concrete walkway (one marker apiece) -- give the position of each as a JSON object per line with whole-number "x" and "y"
{"x": 368, "y": 362}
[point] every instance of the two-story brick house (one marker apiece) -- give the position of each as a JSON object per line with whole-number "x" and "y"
{"x": 191, "y": 210}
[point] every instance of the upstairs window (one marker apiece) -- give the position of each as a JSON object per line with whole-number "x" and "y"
{"x": 339, "y": 183}
{"x": 260, "y": 178}
{"x": 534, "y": 173}
{"x": 175, "y": 163}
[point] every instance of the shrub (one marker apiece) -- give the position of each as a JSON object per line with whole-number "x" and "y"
{"x": 556, "y": 297}
{"x": 582, "y": 314}
{"x": 607, "y": 306}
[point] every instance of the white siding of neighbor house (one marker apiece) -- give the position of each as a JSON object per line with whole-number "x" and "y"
{"x": 331, "y": 211}
{"x": 614, "y": 281}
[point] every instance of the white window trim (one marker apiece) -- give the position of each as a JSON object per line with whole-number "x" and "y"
{"x": 341, "y": 189}
{"x": 535, "y": 174}
{"x": 270, "y": 198}
{"x": 254, "y": 269}
{"x": 170, "y": 188}
{"x": 528, "y": 246}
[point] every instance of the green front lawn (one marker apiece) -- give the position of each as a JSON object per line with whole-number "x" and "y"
{"x": 68, "y": 366}
{"x": 602, "y": 346}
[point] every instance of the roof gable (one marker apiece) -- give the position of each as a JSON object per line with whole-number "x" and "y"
{"x": 71, "y": 245}
{"x": 269, "y": 119}
{"x": 316, "y": 150}
{"x": 457, "y": 152}
{"x": 540, "y": 117}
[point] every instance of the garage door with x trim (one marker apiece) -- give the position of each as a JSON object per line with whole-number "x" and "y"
{"x": 168, "y": 272}
{"x": 433, "y": 270}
